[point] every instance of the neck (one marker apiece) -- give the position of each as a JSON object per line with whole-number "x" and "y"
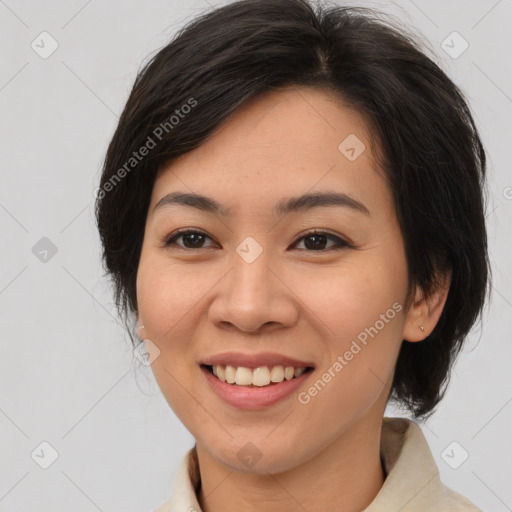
{"x": 346, "y": 475}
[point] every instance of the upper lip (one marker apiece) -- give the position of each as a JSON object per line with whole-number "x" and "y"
{"x": 254, "y": 360}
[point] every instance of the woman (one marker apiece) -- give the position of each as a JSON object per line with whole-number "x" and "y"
{"x": 292, "y": 214}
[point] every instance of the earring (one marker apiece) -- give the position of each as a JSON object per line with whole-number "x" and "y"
{"x": 422, "y": 329}
{"x": 141, "y": 327}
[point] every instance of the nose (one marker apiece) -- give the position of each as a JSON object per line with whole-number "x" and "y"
{"x": 254, "y": 297}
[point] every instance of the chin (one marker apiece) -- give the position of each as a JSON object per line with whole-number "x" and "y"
{"x": 257, "y": 455}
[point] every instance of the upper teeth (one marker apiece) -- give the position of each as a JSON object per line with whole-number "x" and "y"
{"x": 261, "y": 376}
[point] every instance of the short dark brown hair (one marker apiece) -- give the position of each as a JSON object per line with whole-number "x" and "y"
{"x": 430, "y": 148}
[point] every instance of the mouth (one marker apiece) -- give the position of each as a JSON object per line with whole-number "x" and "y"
{"x": 259, "y": 377}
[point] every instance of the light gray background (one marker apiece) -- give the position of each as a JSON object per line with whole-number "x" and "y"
{"x": 66, "y": 368}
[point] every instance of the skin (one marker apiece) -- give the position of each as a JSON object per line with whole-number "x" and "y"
{"x": 293, "y": 299}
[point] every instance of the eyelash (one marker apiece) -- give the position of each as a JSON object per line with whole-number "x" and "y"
{"x": 171, "y": 240}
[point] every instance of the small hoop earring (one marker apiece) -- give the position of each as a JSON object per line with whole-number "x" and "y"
{"x": 141, "y": 327}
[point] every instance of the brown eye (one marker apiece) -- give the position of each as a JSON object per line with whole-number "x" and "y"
{"x": 317, "y": 240}
{"x": 191, "y": 239}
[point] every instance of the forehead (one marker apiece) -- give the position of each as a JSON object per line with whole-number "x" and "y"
{"x": 283, "y": 143}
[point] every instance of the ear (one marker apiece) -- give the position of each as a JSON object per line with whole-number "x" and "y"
{"x": 425, "y": 311}
{"x": 140, "y": 328}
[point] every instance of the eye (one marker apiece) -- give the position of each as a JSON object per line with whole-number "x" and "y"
{"x": 193, "y": 239}
{"x": 318, "y": 240}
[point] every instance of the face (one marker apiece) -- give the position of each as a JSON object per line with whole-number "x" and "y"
{"x": 250, "y": 286}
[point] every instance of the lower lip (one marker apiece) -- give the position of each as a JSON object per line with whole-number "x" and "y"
{"x": 254, "y": 398}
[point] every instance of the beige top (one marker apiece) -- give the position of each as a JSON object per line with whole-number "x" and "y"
{"x": 412, "y": 481}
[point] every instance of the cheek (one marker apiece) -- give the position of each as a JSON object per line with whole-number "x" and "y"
{"x": 168, "y": 295}
{"x": 358, "y": 308}
{"x": 169, "y": 301}
{"x": 348, "y": 298}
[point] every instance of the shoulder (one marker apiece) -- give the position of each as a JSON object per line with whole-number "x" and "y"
{"x": 412, "y": 482}
{"x": 186, "y": 483}
{"x": 458, "y": 503}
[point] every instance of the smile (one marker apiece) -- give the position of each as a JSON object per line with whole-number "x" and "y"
{"x": 256, "y": 377}
{"x": 250, "y": 396}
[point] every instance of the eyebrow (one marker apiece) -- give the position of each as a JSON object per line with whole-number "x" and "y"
{"x": 285, "y": 206}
